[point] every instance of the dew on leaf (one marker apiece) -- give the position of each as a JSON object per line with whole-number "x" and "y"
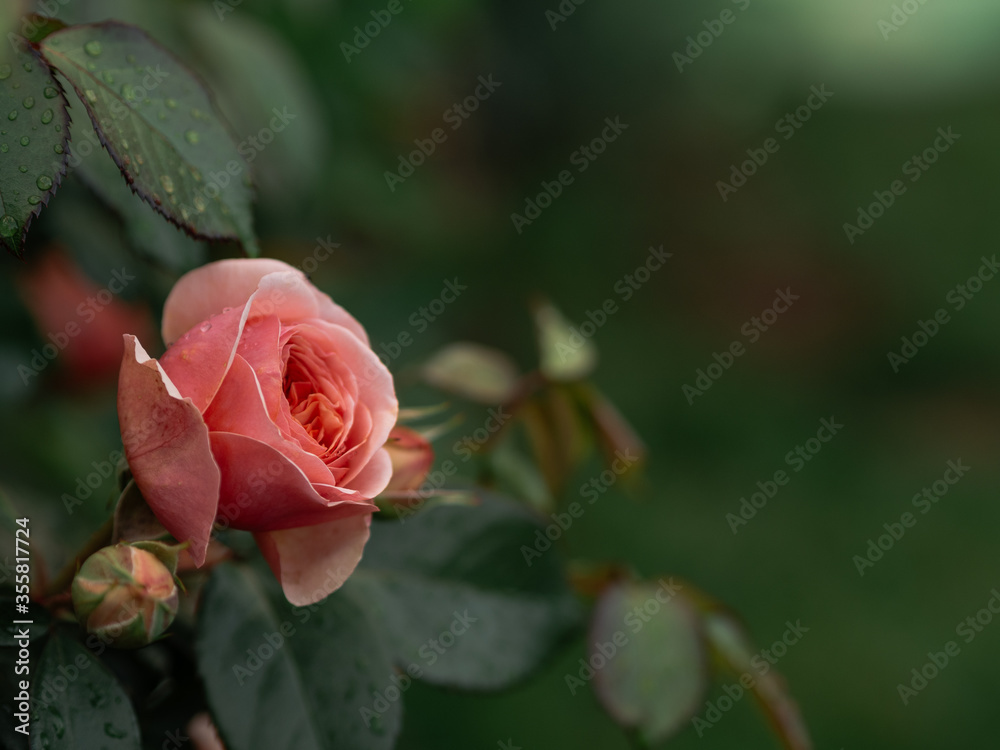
{"x": 167, "y": 183}
{"x": 192, "y": 137}
{"x": 25, "y": 140}
{"x": 5, "y": 72}
{"x": 46, "y": 117}
{"x": 108, "y": 77}
{"x": 50, "y": 92}
{"x": 27, "y": 67}
{"x": 8, "y": 225}
{"x": 4, "y": 148}
{"x": 128, "y": 91}
{"x": 93, "y": 48}
{"x": 91, "y": 66}
{"x": 199, "y": 204}
{"x": 29, "y": 102}
{"x": 91, "y": 96}
{"x": 58, "y": 148}
{"x": 34, "y": 200}
{"x": 22, "y": 169}
{"x": 44, "y": 182}
{"x": 12, "y": 115}
{"x": 171, "y": 103}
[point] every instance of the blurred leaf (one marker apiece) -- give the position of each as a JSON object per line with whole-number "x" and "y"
{"x": 731, "y": 643}
{"x": 289, "y": 166}
{"x": 35, "y": 28}
{"x": 458, "y": 603}
{"x": 521, "y": 476}
{"x": 279, "y": 678}
{"x": 145, "y": 231}
{"x": 91, "y": 711}
{"x": 616, "y": 436}
{"x": 134, "y": 519}
{"x": 548, "y": 454}
{"x": 648, "y": 654}
{"x": 475, "y": 372}
{"x": 565, "y": 354}
{"x": 33, "y": 143}
{"x": 160, "y": 126}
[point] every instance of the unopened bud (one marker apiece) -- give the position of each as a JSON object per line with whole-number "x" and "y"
{"x": 126, "y": 595}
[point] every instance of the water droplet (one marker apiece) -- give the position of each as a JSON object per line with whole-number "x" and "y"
{"x": 91, "y": 96}
{"x": 25, "y": 140}
{"x": 171, "y": 103}
{"x": 58, "y": 148}
{"x": 34, "y": 200}
{"x": 130, "y": 59}
{"x": 29, "y": 102}
{"x": 93, "y": 48}
{"x": 199, "y": 204}
{"x": 108, "y": 77}
{"x": 125, "y": 143}
{"x": 226, "y": 309}
{"x": 162, "y": 116}
{"x": 4, "y": 148}
{"x": 128, "y": 91}
{"x": 12, "y": 115}
{"x": 44, "y": 182}
{"x": 167, "y": 183}
{"x": 5, "y": 72}
{"x": 192, "y": 136}
{"x": 8, "y": 225}
{"x": 46, "y": 117}
{"x": 22, "y": 169}
{"x": 50, "y": 92}
{"x": 138, "y": 158}
{"x": 91, "y": 66}
{"x": 58, "y": 128}
{"x": 185, "y": 214}
{"x": 28, "y": 68}
{"x": 206, "y": 326}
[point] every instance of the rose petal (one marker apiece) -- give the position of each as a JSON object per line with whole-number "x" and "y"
{"x": 239, "y": 408}
{"x": 230, "y": 283}
{"x": 412, "y": 457}
{"x": 374, "y": 478}
{"x": 262, "y": 490}
{"x": 313, "y": 562}
{"x": 167, "y": 446}
{"x": 198, "y": 361}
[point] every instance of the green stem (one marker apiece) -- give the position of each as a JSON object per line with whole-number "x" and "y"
{"x": 100, "y": 538}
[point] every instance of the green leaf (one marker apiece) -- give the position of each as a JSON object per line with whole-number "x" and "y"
{"x": 91, "y": 711}
{"x": 34, "y": 132}
{"x": 456, "y": 599}
{"x": 565, "y": 354}
{"x": 648, "y": 654}
{"x": 144, "y": 230}
{"x": 471, "y": 371}
{"x": 734, "y": 648}
{"x": 160, "y": 126}
{"x": 298, "y": 679}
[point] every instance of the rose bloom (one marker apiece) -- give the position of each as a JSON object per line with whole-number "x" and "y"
{"x": 269, "y": 413}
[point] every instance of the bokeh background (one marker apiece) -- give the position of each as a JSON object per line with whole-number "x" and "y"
{"x": 324, "y": 177}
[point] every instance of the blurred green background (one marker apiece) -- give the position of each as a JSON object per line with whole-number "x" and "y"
{"x": 324, "y": 177}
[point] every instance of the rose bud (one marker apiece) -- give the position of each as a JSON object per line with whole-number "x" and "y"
{"x": 268, "y": 413}
{"x": 412, "y": 457}
{"x": 126, "y": 595}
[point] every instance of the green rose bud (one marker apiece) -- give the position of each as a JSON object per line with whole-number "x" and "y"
{"x": 126, "y": 595}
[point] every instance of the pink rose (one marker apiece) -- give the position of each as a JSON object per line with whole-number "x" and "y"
{"x": 269, "y": 413}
